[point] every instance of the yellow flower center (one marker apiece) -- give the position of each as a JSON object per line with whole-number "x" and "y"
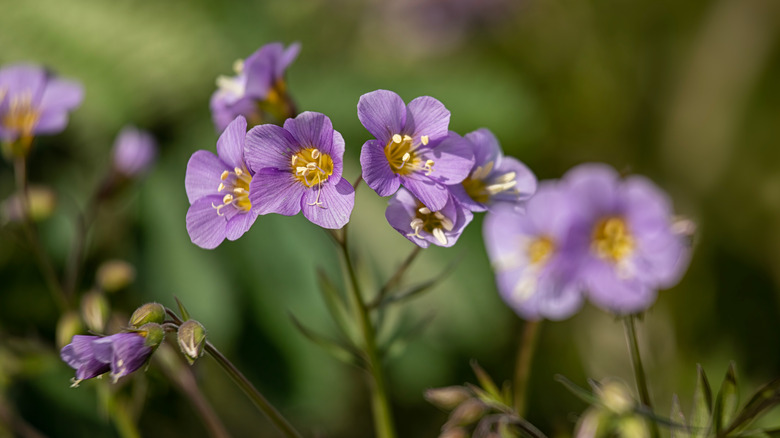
{"x": 540, "y": 249}
{"x": 481, "y": 190}
{"x": 400, "y": 153}
{"x": 432, "y": 222}
{"x": 236, "y": 185}
{"x": 612, "y": 239}
{"x": 21, "y": 115}
{"x": 311, "y": 167}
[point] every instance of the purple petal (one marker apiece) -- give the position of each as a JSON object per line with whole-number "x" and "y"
{"x": 61, "y": 95}
{"x": 225, "y": 108}
{"x": 552, "y": 211}
{"x": 51, "y": 122}
{"x": 401, "y": 209}
{"x": 431, "y": 193}
{"x": 205, "y": 227}
{"x": 453, "y": 160}
{"x": 595, "y": 185}
{"x": 230, "y": 146}
{"x": 129, "y": 353}
{"x": 337, "y": 203}
{"x": 645, "y": 205}
{"x": 240, "y": 224}
{"x": 269, "y": 146}
{"x": 260, "y": 69}
{"x": 79, "y": 351}
{"x": 484, "y": 145}
{"x": 526, "y": 180}
{"x": 337, "y": 155}
{"x": 608, "y": 291}
{"x": 376, "y": 170}
{"x": 382, "y": 113}
{"x": 203, "y": 175}
{"x": 275, "y": 191}
{"x": 459, "y": 193}
{"x": 502, "y": 231}
{"x": 287, "y": 57}
{"x": 312, "y": 130}
{"x": 134, "y": 151}
{"x": 427, "y": 116}
{"x": 23, "y": 78}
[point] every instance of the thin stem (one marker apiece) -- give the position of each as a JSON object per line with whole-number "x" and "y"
{"x": 257, "y": 398}
{"x": 525, "y": 355}
{"x": 639, "y": 371}
{"x": 383, "y": 418}
{"x": 357, "y": 181}
{"x": 393, "y": 281}
{"x": 76, "y": 256}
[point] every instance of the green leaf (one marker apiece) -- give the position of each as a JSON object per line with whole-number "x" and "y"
{"x": 727, "y": 401}
{"x": 764, "y": 399}
{"x": 336, "y": 349}
{"x": 486, "y": 381}
{"x": 185, "y": 315}
{"x": 582, "y": 394}
{"x": 401, "y": 336}
{"x": 336, "y": 305}
{"x": 420, "y": 288}
{"x": 701, "y": 413}
{"x": 677, "y": 417}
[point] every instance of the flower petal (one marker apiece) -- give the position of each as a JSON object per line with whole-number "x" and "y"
{"x": 427, "y": 116}
{"x": 202, "y": 177}
{"x": 286, "y": 58}
{"x": 337, "y": 203}
{"x": 618, "y": 295}
{"x": 240, "y": 224}
{"x": 61, "y": 95}
{"x": 595, "y": 185}
{"x": 401, "y": 209}
{"x": 269, "y": 146}
{"x": 453, "y": 160}
{"x": 376, "y": 169}
{"x": 23, "y": 78}
{"x": 382, "y": 113}
{"x": 430, "y": 192}
{"x": 312, "y": 130}
{"x": 484, "y": 145}
{"x": 230, "y": 146}
{"x": 205, "y": 227}
{"x": 275, "y": 191}
{"x": 526, "y": 180}
{"x": 129, "y": 353}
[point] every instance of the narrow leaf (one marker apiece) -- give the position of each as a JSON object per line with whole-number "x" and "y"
{"x": 727, "y": 401}
{"x": 185, "y": 315}
{"x": 401, "y": 336}
{"x": 765, "y": 398}
{"x": 582, "y": 394}
{"x": 420, "y": 288}
{"x": 486, "y": 381}
{"x": 701, "y": 413}
{"x": 677, "y": 417}
{"x": 339, "y": 351}
{"x": 336, "y": 306}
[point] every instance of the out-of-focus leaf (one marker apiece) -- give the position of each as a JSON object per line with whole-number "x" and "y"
{"x": 486, "y": 381}
{"x": 185, "y": 315}
{"x": 420, "y": 288}
{"x": 677, "y": 417}
{"x": 405, "y": 332}
{"x": 702, "y": 405}
{"x": 336, "y": 349}
{"x": 727, "y": 401}
{"x": 765, "y": 398}
{"x": 335, "y": 305}
{"x": 582, "y": 394}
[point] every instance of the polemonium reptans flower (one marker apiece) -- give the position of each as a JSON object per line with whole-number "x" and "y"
{"x": 33, "y": 102}
{"x": 412, "y": 147}
{"x": 121, "y": 353}
{"x": 257, "y": 88}
{"x": 494, "y": 177}
{"x": 632, "y": 247}
{"x": 218, "y": 188}
{"x": 533, "y": 255}
{"x": 298, "y": 167}
{"x": 134, "y": 151}
{"x": 422, "y": 226}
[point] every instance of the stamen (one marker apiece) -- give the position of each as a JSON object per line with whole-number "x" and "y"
{"x": 424, "y": 140}
{"x": 238, "y": 66}
{"x": 227, "y": 199}
{"x": 447, "y": 224}
{"x": 239, "y": 190}
{"x": 507, "y": 177}
{"x": 428, "y": 167}
{"x": 238, "y": 171}
{"x": 315, "y": 153}
{"x": 438, "y": 233}
{"x": 221, "y": 187}
{"x": 425, "y": 210}
{"x": 224, "y": 175}
{"x": 407, "y": 138}
{"x": 397, "y": 138}
{"x": 294, "y": 158}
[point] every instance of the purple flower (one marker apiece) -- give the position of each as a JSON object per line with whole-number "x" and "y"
{"x": 412, "y": 147}
{"x": 422, "y": 226}
{"x": 494, "y": 177}
{"x": 631, "y": 246}
{"x": 33, "y": 101}
{"x": 218, "y": 188}
{"x": 298, "y": 167}
{"x": 134, "y": 151}
{"x": 121, "y": 354}
{"x": 258, "y": 89}
{"x": 534, "y": 256}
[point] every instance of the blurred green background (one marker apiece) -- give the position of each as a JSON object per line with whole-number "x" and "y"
{"x": 685, "y": 92}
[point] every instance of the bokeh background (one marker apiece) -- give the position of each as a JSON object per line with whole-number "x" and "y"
{"x": 685, "y": 92}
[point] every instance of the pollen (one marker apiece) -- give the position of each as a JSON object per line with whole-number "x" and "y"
{"x": 539, "y": 250}
{"x": 612, "y": 239}
{"x": 312, "y": 168}
{"x": 434, "y": 223}
{"x": 402, "y": 156}
{"x": 236, "y": 182}
{"x": 21, "y": 116}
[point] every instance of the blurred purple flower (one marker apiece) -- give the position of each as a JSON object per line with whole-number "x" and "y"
{"x": 534, "y": 255}
{"x": 134, "y": 151}
{"x": 121, "y": 354}
{"x": 298, "y": 167}
{"x": 258, "y": 87}
{"x": 412, "y": 147}
{"x": 494, "y": 177}
{"x": 218, "y": 189}
{"x": 422, "y": 226}
{"x": 632, "y": 248}
{"x": 33, "y": 101}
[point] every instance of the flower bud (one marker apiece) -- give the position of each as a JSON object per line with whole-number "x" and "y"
{"x": 633, "y": 427}
{"x": 154, "y": 334}
{"x": 447, "y": 398}
{"x": 455, "y": 432}
{"x": 41, "y": 202}
{"x": 114, "y": 275}
{"x": 467, "y": 413}
{"x": 149, "y": 312}
{"x": 134, "y": 152}
{"x": 68, "y": 326}
{"x": 616, "y": 397}
{"x": 192, "y": 339}
{"x": 95, "y": 311}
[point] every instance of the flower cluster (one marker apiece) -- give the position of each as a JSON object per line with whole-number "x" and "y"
{"x": 592, "y": 234}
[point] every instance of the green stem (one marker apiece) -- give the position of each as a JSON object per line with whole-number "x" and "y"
{"x": 257, "y": 398}
{"x": 525, "y": 355}
{"x": 383, "y": 418}
{"x": 393, "y": 281}
{"x": 629, "y": 322}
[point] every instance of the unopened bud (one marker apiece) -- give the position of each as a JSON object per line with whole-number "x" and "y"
{"x": 467, "y": 413}
{"x": 114, "y": 275}
{"x": 447, "y": 398}
{"x": 41, "y": 202}
{"x": 154, "y": 334}
{"x": 455, "y": 432}
{"x": 633, "y": 427}
{"x": 68, "y": 326}
{"x": 149, "y": 312}
{"x": 134, "y": 152}
{"x": 192, "y": 339}
{"x": 95, "y": 311}
{"x": 616, "y": 397}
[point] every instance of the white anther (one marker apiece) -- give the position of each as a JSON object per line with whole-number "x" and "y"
{"x": 238, "y": 171}
{"x": 406, "y": 157}
{"x": 238, "y": 190}
{"x": 224, "y": 175}
{"x": 407, "y": 138}
{"x": 221, "y": 187}
{"x": 315, "y": 153}
{"x": 397, "y": 138}
{"x": 447, "y": 224}
{"x": 424, "y": 140}
{"x": 438, "y": 215}
{"x": 424, "y": 210}
{"x": 311, "y": 166}
{"x": 227, "y": 199}
{"x": 294, "y": 159}
{"x": 301, "y": 170}
{"x": 238, "y": 66}
{"x": 438, "y": 233}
